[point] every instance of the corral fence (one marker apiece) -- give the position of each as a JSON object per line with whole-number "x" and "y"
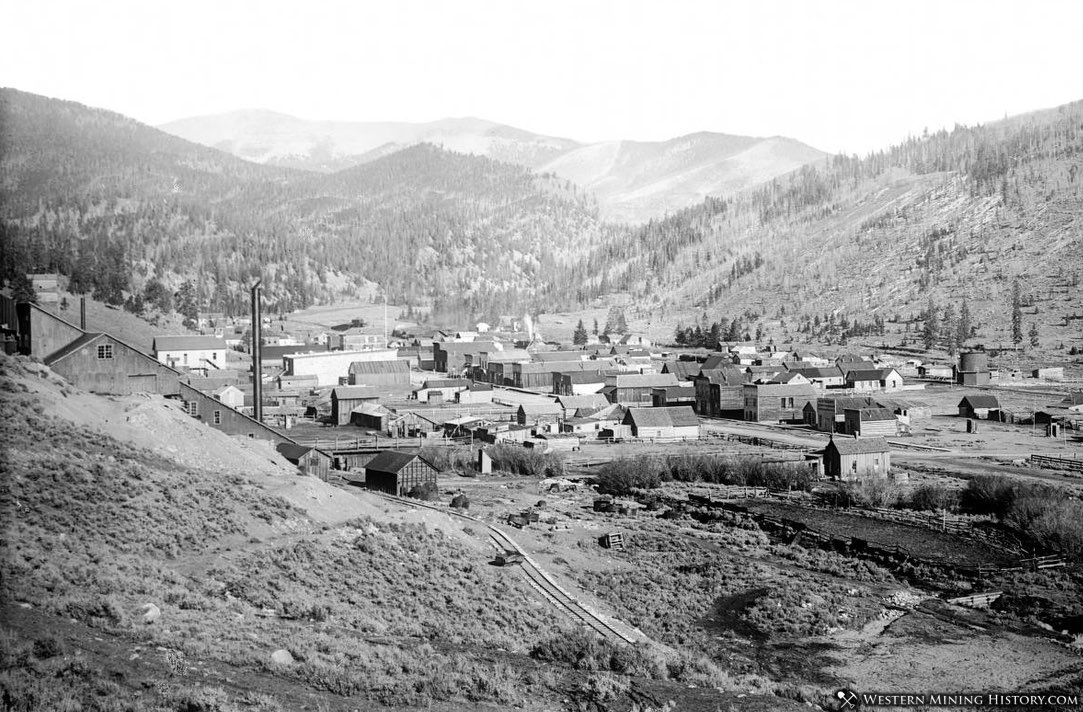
{"x": 1047, "y": 462}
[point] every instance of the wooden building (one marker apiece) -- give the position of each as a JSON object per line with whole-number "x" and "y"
{"x": 776, "y": 402}
{"x": 877, "y": 379}
{"x": 539, "y": 413}
{"x": 870, "y": 422}
{"x": 675, "y": 422}
{"x": 979, "y": 407}
{"x": 345, "y": 398}
{"x": 397, "y": 473}
{"x": 391, "y": 374}
{"x": 634, "y": 389}
{"x": 673, "y": 395}
{"x": 719, "y": 391}
{"x": 190, "y": 351}
{"x": 578, "y": 383}
{"x": 856, "y": 458}
{"x": 831, "y": 411}
{"x": 307, "y": 459}
{"x": 99, "y": 363}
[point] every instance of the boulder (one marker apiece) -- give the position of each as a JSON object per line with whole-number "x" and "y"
{"x": 282, "y": 657}
{"x": 150, "y": 613}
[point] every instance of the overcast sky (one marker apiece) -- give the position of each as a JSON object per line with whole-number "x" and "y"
{"x": 839, "y": 75}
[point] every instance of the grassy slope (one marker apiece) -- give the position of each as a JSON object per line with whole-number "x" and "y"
{"x": 243, "y": 559}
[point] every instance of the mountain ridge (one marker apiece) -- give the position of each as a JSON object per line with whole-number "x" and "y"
{"x": 617, "y": 171}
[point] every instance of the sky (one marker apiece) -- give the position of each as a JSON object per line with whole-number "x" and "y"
{"x": 843, "y": 76}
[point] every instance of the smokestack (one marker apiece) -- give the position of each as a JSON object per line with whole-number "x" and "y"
{"x": 82, "y": 313}
{"x": 257, "y": 355}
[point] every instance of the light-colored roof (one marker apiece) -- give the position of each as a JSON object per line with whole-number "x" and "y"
{"x": 859, "y": 446}
{"x": 188, "y": 343}
{"x": 644, "y": 380}
{"x": 676, "y": 417}
{"x": 379, "y": 367}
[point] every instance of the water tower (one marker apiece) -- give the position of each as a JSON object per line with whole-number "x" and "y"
{"x": 973, "y": 369}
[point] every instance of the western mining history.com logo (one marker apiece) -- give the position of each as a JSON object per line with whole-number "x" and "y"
{"x": 850, "y": 700}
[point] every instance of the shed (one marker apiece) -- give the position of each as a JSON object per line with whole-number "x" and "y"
{"x": 676, "y": 422}
{"x": 397, "y": 472}
{"x": 978, "y": 406}
{"x": 535, "y": 413}
{"x": 871, "y": 422}
{"x": 856, "y": 458}
{"x": 308, "y": 459}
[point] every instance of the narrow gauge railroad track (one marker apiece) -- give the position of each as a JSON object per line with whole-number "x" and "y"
{"x": 540, "y": 580}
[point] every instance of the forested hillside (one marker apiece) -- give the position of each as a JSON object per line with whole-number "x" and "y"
{"x": 942, "y": 217}
{"x": 134, "y": 216}
{"x": 130, "y": 214}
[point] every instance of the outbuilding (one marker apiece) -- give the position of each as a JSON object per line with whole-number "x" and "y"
{"x": 674, "y": 422}
{"x": 856, "y": 458}
{"x": 978, "y": 406}
{"x": 397, "y": 473}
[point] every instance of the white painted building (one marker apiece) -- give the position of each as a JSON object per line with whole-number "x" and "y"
{"x": 190, "y": 352}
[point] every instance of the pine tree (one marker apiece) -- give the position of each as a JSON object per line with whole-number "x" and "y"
{"x": 1017, "y": 314}
{"x": 951, "y": 329}
{"x": 931, "y": 330}
{"x": 579, "y": 338}
{"x": 964, "y": 325}
{"x": 1035, "y": 341}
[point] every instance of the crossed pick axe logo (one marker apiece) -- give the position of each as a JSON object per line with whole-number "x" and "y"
{"x": 848, "y": 699}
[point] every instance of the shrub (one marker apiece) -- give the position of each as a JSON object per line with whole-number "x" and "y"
{"x": 621, "y": 477}
{"x": 48, "y": 647}
{"x": 426, "y": 491}
{"x": 988, "y": 495}
{"x": 872, "y": 492}
{"x": 933, "y": 498}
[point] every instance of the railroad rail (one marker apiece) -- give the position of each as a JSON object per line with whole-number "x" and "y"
{"x": 540, "y": 580}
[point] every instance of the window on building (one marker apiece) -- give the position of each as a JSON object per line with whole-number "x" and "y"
{"x": 192, "y": 407}
{"x": 214, "y": 356}
{"x": 185, "y": 358}
{"x": 217, "y": 417}
{"x": 105, "y": 351}
{"x": 786, "y": 402}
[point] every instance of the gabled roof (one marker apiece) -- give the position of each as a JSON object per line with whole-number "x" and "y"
{"x": 675, "y": 417}
{"x": 551, "y": 408}
{"x": 78, "y": 344}
{"x": 979, "y": 401}
{"x": 394, "y": 461}
{"x": 352, "y": 392}
{"x": 188, "y": 343}
{"x": 378, "y": 367}
{"x": 446, "y": 383}
{"x": 219, "y": 391}
{"x": 868, "y": 374}
{"x": 292, "y": 451}
{"x": 859, "y": 446}
{"x": 716, "y": 361}
{"x": 594, "y": 400}
{"x": 683, "y": 370}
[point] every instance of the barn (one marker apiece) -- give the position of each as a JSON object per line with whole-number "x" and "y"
{"x": 397, "y": 473}
{"x": 391, "y": 374}
{"x": 856, "y": 458}
{"x": 676, "y": 422}
{"x": 978, "y": 406}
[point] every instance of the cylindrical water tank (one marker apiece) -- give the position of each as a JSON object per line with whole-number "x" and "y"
{"x": 973, "y": 362}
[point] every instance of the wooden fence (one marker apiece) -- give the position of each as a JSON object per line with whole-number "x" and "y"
{"x": 1057, "y": 463}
